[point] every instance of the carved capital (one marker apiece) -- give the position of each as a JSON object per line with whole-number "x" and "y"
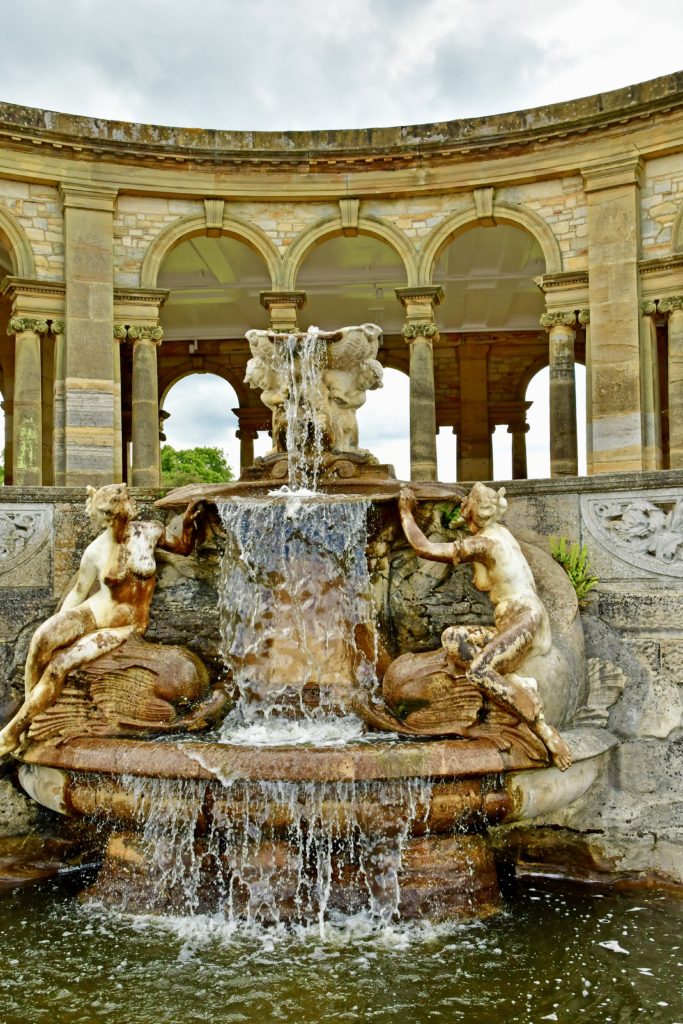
{"x": 648, "y": 308}
{"x": 425, "y": 329}
{"x": 120, "y": 332}
{"x": 671, "y": 303}
{"x": 559, "y": 319}
{"x": 57, "y": 327}
{"x": 146, "y": 333}
{"x": 584, "y": 317}
{"x": 19, "y": 324}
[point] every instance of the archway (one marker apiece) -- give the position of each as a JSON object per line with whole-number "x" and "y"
{"x": 199, "y": 414}
{"x": 384, "y": 422}
{"x": 538, "y": 438}
{"x": 490, "y": 339}
{"x": 352, "y": 281}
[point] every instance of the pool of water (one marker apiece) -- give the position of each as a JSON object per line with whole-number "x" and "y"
{"x": 560, "y": 952}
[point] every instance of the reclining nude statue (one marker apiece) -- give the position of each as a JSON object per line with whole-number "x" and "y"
{"x": 490, "y": 659}
{"x": 89, "y": 625}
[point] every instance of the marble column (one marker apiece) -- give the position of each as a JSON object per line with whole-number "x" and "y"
{"x": 88, "y": 371}
{"x": 563, "y": 444}
{"x": 673, "y": 307}
{"x": 420, "y": 332}
{"x": 649, "y": 388}
{"x": 475, "y": 458}
{"x": 612, "y": 195}
{"x": 283, "y": 308}
{"x": 145, "y": 405}
{"x": 27, "y": 427}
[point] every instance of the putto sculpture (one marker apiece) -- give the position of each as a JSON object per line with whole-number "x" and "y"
{"x": 121, "y": 564}
{"x": 498, "y": 661}
{"x": 331, "y": 370}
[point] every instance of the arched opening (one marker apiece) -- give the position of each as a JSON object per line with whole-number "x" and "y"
{"x": 490, "y": 339}
{"x": 352, "y": 281}
{"x": 384, "y": 422}
{"x": 538, "y": 416}
{"x": 199, "y": 413}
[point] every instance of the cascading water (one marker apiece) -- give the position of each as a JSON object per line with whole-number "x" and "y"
{"x": 300, "y": 362}
{"x": 267, "y": 852}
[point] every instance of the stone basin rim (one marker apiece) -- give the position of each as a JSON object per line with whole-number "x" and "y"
{"x": 428, "y": 758}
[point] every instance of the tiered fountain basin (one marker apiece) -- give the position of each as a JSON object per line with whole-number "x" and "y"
{"x": 427, "y": 805}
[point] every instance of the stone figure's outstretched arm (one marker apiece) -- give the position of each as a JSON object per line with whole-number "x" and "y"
{"x": 185, "y": 543}
{"x": 416, "y": 538}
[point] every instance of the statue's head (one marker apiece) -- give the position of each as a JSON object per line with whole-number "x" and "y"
{"x": 483, "y": 506}
{"x": 105, "y": 504}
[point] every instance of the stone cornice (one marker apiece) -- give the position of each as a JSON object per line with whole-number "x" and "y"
{"x": 564, "y": 279}
{"x": 284, "y": 298}
{"x": 663, "y": 264}
{"x": 28, "y": 128}
{"x": 141, "y": 296}
{"x": 15, "y": 286}
{"x": 87, "y": 197}
{"x": 428, "y": 293}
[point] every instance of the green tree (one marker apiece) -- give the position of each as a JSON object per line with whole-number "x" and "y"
{"x": 193, "y": 465}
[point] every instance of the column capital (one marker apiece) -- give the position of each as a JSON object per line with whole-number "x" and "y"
{"x": 671, "y": 303}
{"x": 429, "y": 294}
{"x": 252, "y": 419}
{"x": 57, "y": 327}
{"x": 145, "y": 332}
{"x": 120, "y": 332}
{"x": 284, "y": 298}
{"x": 584, "y": 317}
{"x": 19, "y": 324}
{"x": 420, "y": 328}
{"x": 101, "y": 198}
{"x": 648, "y": 308}
{"x": 557, "y": 319}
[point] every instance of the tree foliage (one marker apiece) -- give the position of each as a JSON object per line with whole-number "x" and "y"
{"x": 193, "y": 465}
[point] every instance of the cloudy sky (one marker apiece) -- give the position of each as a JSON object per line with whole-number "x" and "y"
{"x": 296, "y": 64}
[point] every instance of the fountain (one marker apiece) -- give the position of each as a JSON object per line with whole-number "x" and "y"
{"x": 323, "y": 770}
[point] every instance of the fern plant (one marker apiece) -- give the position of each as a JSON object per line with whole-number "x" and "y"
{"x": 574, "y": 560}
{"x": 450, "y": 514}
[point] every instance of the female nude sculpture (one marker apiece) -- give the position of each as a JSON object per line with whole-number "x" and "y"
{"x": 491, "y": 655}
{"x": 121, "y": 559}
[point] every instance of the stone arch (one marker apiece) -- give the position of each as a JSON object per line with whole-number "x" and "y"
{"x": 677, "y": 233}
{"x": 331, "y": 227}
{"x": 20, "y": 249}
{"x": 503, "y": 213}
{"x": 190, "y": 227}
{"x": 168, "y": 381}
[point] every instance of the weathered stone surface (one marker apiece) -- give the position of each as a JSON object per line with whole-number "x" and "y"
{"x": 18, "y": 814}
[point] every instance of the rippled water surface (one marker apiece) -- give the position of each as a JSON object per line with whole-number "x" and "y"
{"x": 559, "y": 953}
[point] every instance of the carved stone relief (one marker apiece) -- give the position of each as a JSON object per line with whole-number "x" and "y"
{"x": 25, "y": 545}
{"x": 645, "y": 530}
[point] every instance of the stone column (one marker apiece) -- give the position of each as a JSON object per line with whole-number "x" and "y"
{"x": 250, "y": 421}
{"x": 145, "y": 408}
{"x": 88, "y": 372}
{"x": 519, "y": 432}
{"x": 282, "y": 309}
{"x": 420, "y": 332}
{"x": 58, "y": 404}
{"x": 614, "y": 293}
{"x": 563, "y": 445}
{"x": 649, "y": 388}
{"x": 120, "y": 335}
{"x": 475, "y": 461}
{"x": 584, "y": 319}
{"x": 673, "y": 307}
{"x": 27, "y": 427}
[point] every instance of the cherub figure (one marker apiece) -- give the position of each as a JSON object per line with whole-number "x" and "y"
{"x": 492, "y": 656}
{"x": 121, "y": 560}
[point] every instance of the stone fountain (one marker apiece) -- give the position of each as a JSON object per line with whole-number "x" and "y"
{"x": 322, "y": 767}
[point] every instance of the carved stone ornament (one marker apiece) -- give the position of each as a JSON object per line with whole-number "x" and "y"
{"x": 18, "y": 324}
{"x": 57, "y": 327}
{"x": 415, "y": 330}
{"x": 673, "y": 302}
{"x": 550, "y": 320}
{"x": 23, "y": 534}
{"x": 145, "y": 333}
{"x": 641, "y": 530}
